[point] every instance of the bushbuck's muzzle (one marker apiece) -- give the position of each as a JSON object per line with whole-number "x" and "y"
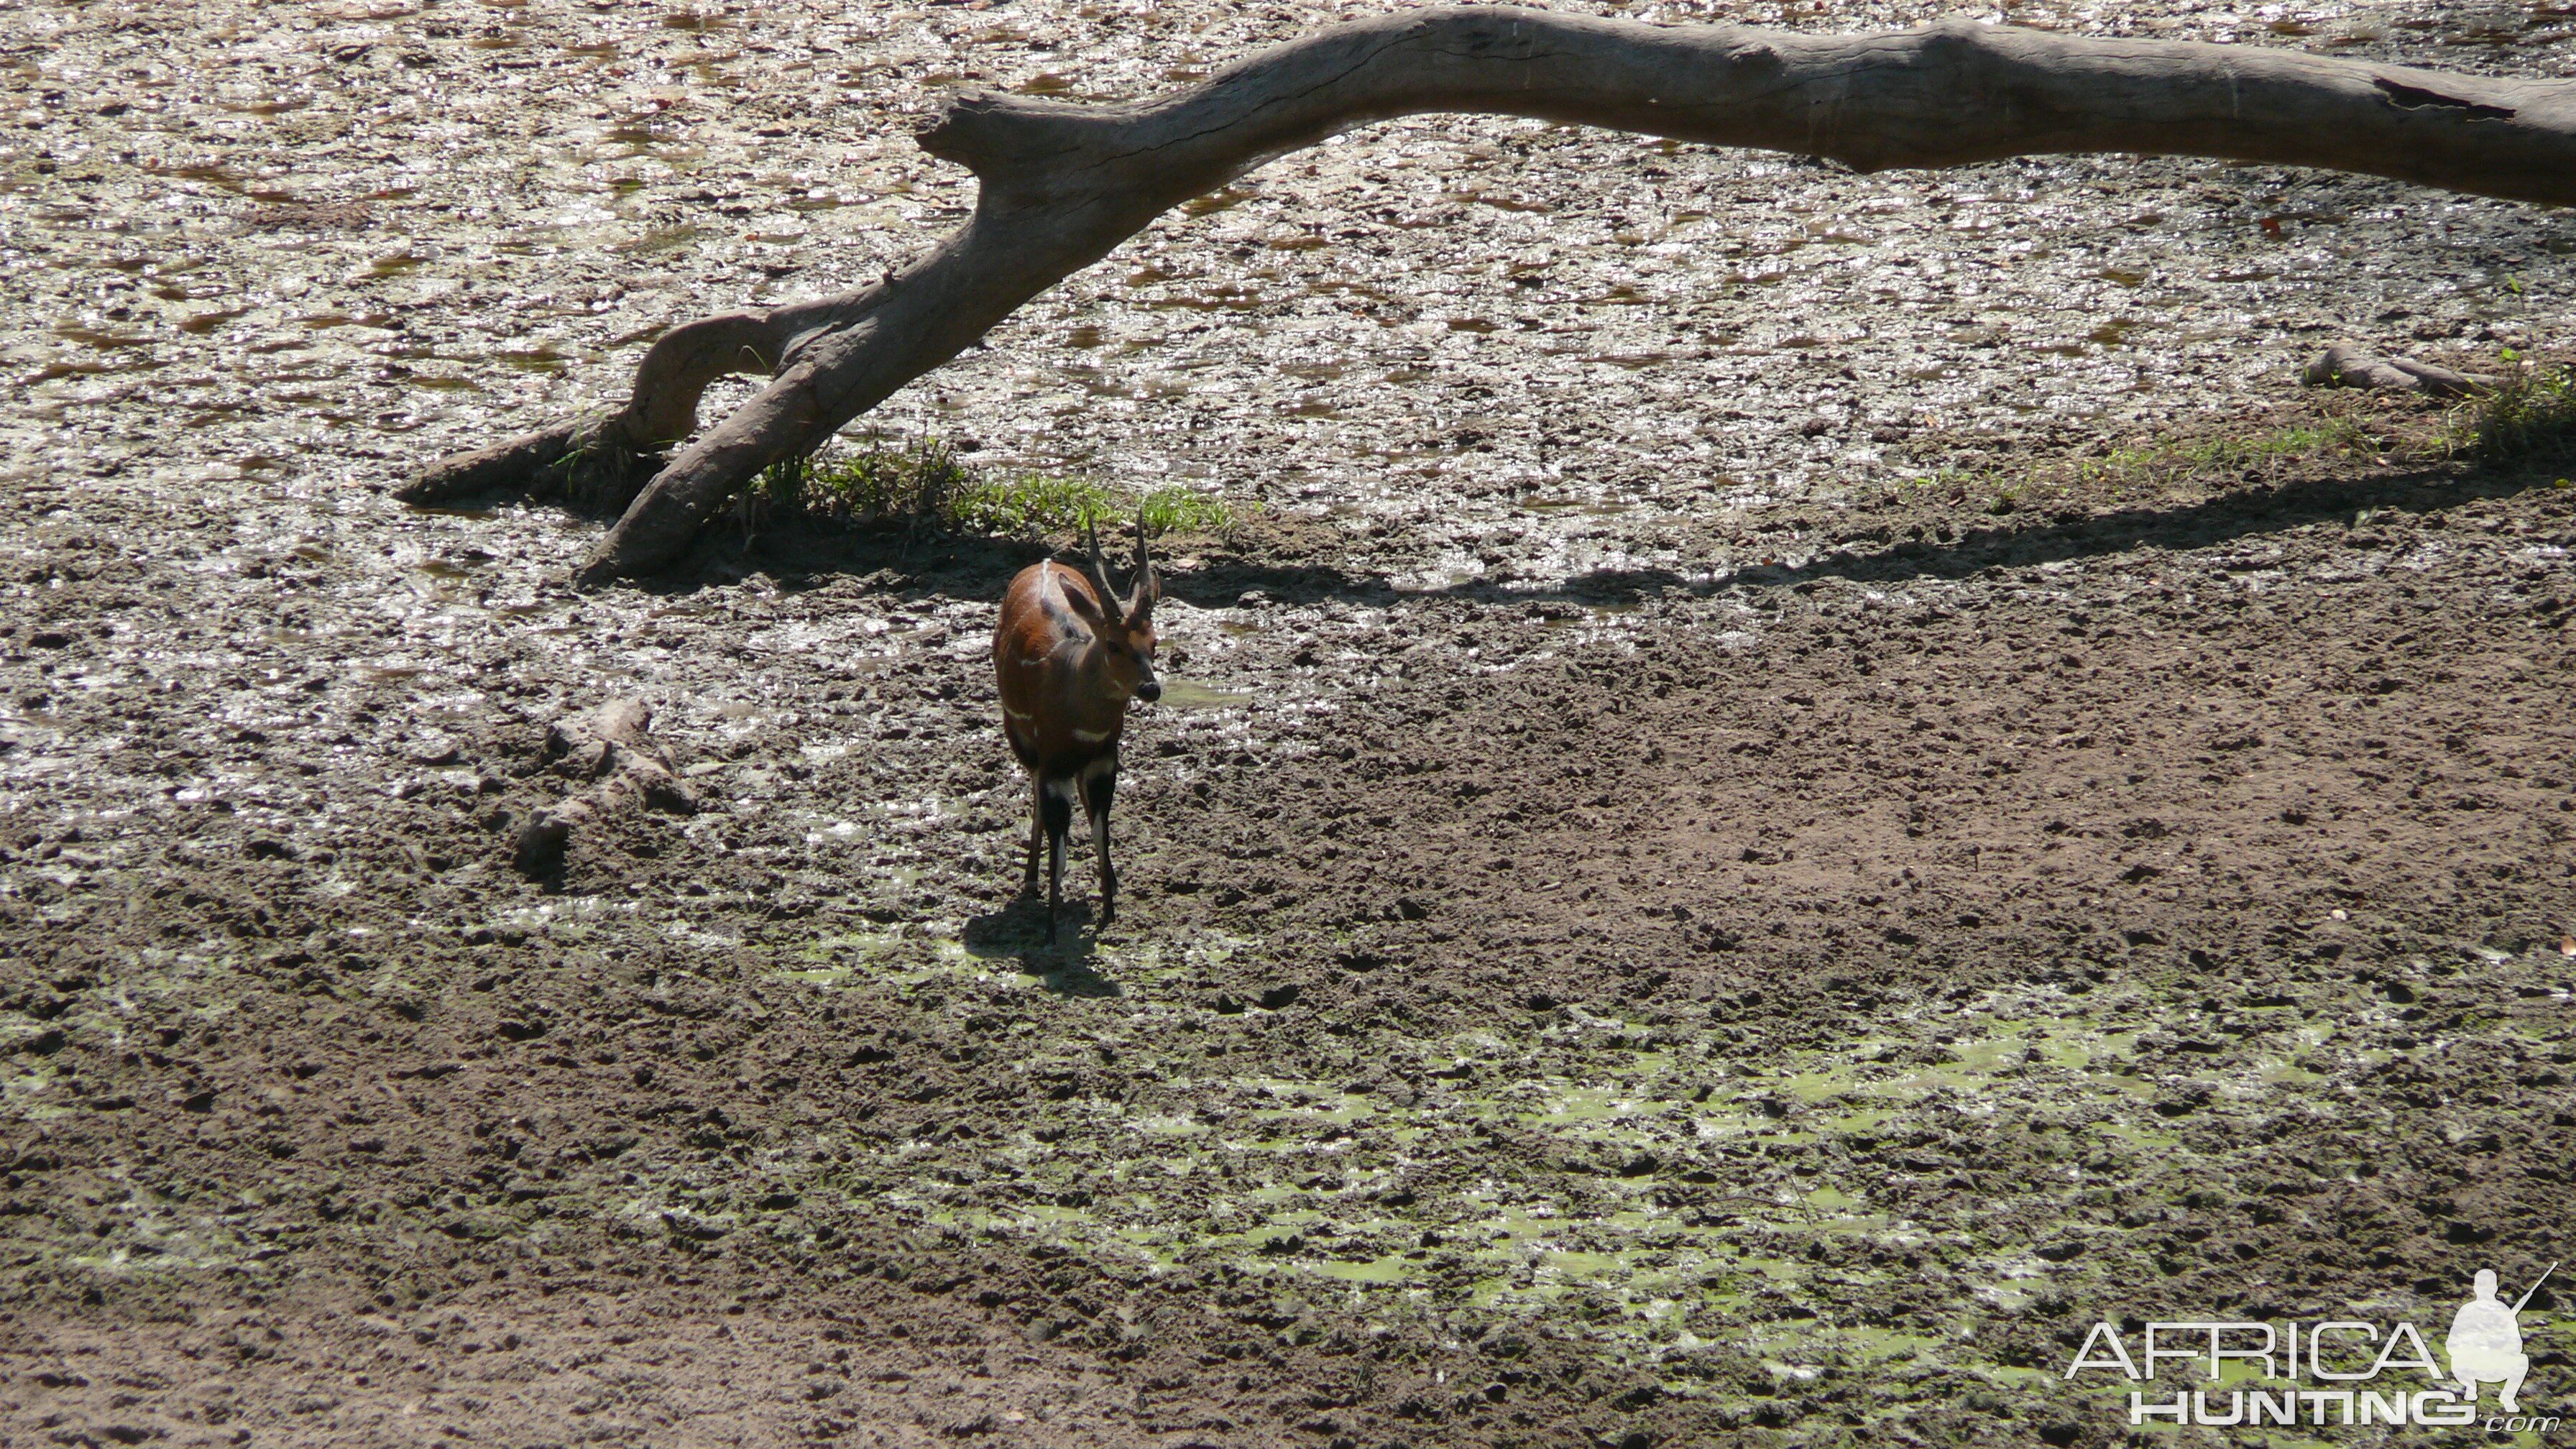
{"x": 1149, "y": 689}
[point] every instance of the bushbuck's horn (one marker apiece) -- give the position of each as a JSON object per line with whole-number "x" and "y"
{"x": 1146, "y": 587}
{"x": 1100, "y": 570}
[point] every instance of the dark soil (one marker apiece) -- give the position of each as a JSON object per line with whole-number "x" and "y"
{"x": 1645, "y": 1007}
{"x": 1613, "y": 951}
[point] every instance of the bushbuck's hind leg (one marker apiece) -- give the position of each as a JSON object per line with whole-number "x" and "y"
{"x": 1099, "y": 787}
{"x": 1037, "y": 834}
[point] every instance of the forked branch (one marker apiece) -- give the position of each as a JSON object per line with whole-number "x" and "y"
{"x": 1062, "y": 184}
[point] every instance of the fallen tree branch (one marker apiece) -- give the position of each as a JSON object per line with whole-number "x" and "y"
{"x": 612, "y": 747}
{"x": 1062, "y": 184}
{"x": 2345, "y": 364}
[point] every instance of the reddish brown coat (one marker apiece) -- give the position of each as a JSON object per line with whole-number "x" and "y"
{"x": 1068, "y": 656}
{"x": 1064, "y": 690}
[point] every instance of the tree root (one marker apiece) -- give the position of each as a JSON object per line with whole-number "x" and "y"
{"x": 586, "y": 462}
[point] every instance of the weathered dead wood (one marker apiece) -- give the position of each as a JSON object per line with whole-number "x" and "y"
{"x": 614, "y": 748}
{"x": 2347, "y": 364}
{"x": 1062, "y": 184}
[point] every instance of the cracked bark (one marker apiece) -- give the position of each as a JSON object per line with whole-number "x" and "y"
{"x": 1060, "y": 185}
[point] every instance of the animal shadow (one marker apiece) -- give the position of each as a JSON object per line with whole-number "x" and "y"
{"x": 1018, "y": 932}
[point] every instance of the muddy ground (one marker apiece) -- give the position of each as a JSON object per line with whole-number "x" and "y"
{"x": 1738, "y": 855}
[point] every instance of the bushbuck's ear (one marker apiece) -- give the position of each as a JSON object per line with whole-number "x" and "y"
{"x": 1072, "y": 610}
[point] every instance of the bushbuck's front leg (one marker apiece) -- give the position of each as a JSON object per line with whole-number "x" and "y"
{"x": 1099, "y": 787}
{"x": 1037, "y": 833}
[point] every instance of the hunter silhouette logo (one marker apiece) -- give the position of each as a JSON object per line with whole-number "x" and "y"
{"x": 2486, "y": 1342}
{"x": 2342, "y": 1359}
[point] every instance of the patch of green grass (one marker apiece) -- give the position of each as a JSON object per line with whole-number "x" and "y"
{"x": 1039, "y": 503}
{"x": 1179, "y": 510}
{"x": 908, "y": 484}
{"x": 2175, "y": 461}
{"x": 2529, "y": 413}
{"x": 922, "y": 486}
{"x": 2002, "y": 489}
{"x": 1033, "y": 503}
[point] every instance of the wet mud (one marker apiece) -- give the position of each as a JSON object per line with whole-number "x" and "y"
{"x": 1720, "y": 861}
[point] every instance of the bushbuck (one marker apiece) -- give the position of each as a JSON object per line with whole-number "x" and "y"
{"x": 1069, "y": 656}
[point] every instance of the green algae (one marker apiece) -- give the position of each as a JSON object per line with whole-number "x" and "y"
{"x": 1643, "y": 1187}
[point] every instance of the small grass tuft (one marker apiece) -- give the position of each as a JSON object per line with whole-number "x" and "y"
{"x": 922, "y": 487}
{"x": 2529, "y": 413}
